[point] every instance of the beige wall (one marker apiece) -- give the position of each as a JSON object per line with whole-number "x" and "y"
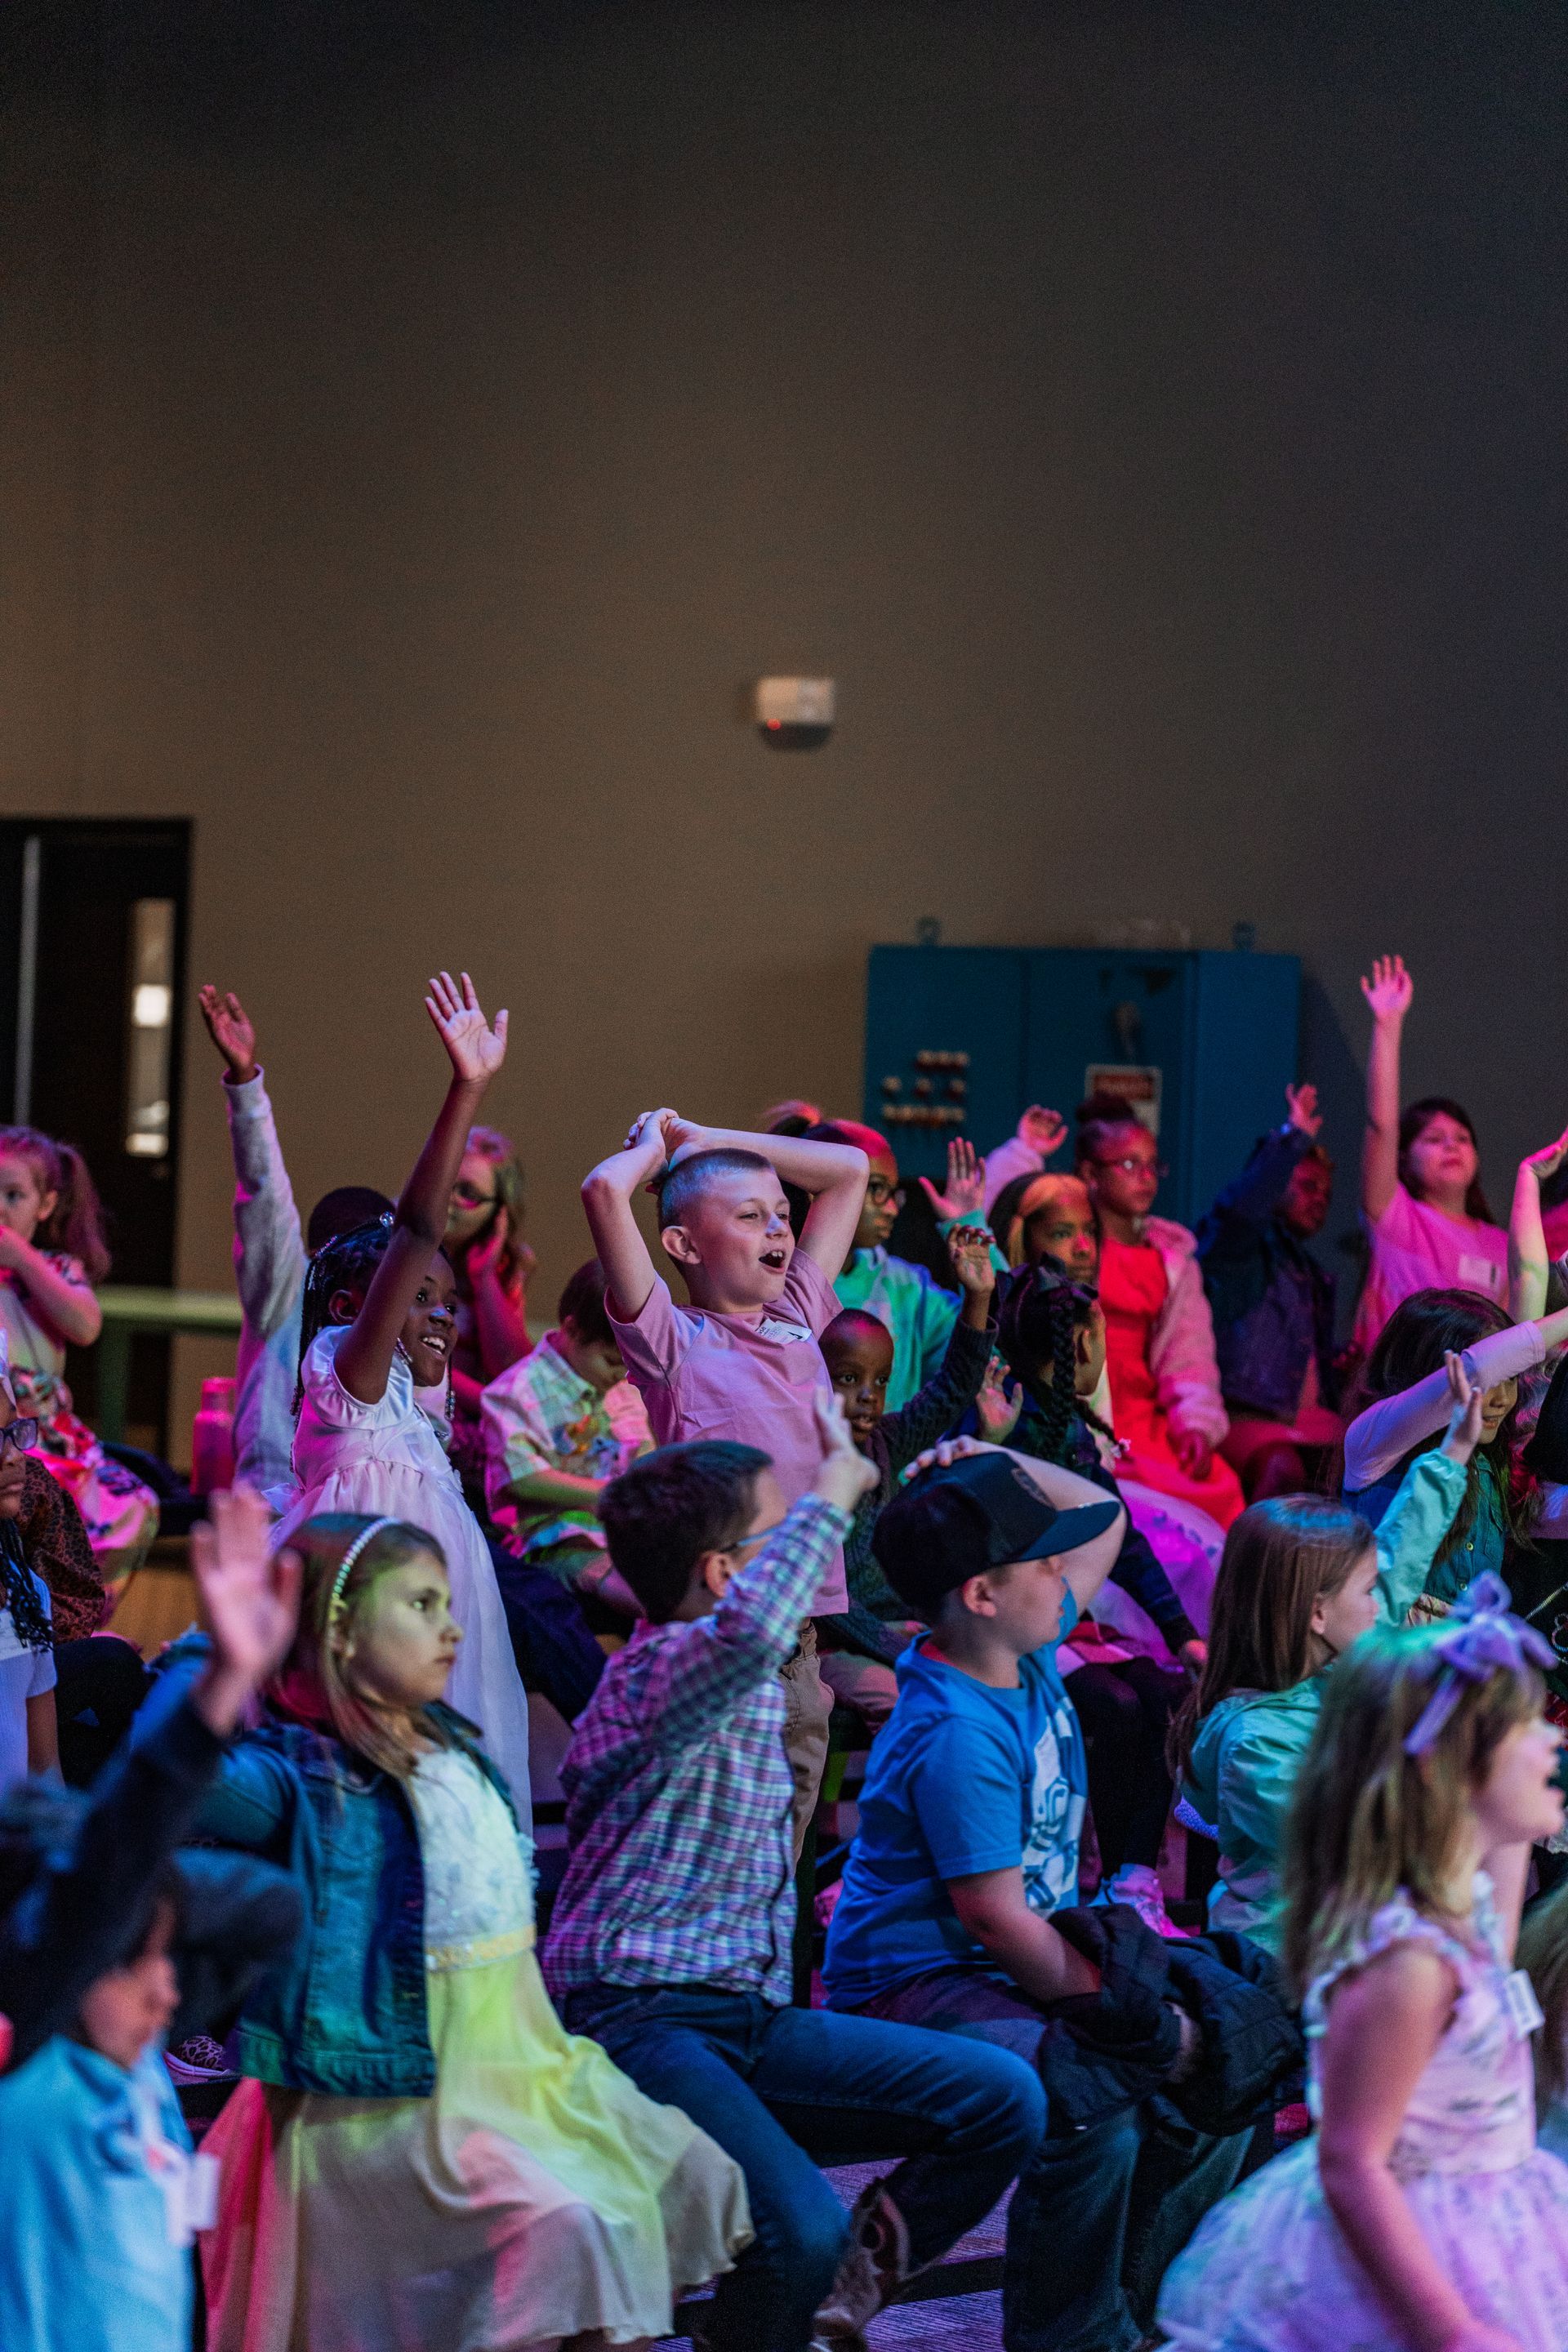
{"x": 1154, "y": 424}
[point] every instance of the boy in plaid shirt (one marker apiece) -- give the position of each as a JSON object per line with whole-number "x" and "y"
{"x": 671, "y": 1937}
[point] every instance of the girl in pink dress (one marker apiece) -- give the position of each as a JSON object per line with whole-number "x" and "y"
{"x": 1427, "y": 1223}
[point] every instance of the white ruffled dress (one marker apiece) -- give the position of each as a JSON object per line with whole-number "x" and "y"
{"x": 388, "y": 1459}
{"x": 1267, "y": 2271}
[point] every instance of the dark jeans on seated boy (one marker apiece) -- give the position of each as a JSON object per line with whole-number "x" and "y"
{"x": 670, "y": 1941}
{"x": 785, "y": 2090}
{"x": 967, "y": 1851}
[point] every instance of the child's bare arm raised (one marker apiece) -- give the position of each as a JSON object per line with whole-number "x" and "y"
{"x": 833, "y": 1173}
{"x": 608, "y": 1192}
{"x": 475, "y": 1052}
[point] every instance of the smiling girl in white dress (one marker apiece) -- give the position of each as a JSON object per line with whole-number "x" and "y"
{"x": 377, "y": 1322}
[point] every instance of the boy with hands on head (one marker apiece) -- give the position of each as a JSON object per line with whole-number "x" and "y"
{"x": 741, "y": 1362}
{"x": 671, "y": 1937}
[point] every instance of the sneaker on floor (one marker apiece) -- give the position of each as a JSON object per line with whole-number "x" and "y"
{"x": 875, "y": 2267}
{"x": 1139, "y": 1886}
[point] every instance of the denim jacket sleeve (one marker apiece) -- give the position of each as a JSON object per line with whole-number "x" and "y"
{"x": 1249, "y": 1200}
{"x": 1408, "y": 1534}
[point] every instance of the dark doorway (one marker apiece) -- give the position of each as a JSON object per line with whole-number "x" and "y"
{"x": 93, "y": 952}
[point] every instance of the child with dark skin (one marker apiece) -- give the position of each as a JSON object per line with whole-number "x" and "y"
{"x": 862, "y": 1647}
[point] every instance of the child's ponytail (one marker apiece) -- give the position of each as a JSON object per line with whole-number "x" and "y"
{"x": 75, "y": 1225}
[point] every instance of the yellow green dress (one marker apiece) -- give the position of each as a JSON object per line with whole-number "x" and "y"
{"x": 534, "y": 2194}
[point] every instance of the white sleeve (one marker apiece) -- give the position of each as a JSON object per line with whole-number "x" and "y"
{"x": 1014, "y": 1158}
{"x": 268, "y": 1248}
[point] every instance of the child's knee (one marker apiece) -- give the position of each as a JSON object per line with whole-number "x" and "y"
{"x": 804, "y": 2240}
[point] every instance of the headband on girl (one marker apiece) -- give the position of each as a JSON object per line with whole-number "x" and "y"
{"x": 1483, "y": 1636}
{"x": 349, "y": 1557}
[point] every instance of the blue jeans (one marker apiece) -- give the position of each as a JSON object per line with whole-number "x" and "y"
{"x": 1100, "y": 2214}
{"x": 780, "y": 2087}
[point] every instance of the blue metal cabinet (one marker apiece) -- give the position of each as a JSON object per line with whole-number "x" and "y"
{"x": 958, "y": 1040}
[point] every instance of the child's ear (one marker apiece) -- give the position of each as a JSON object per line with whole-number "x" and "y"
{"x": 678, "y": 1245}
{"x": 47, "y": 1205}
{"x": 714, "y": 1570}
{"x": 977, "y": 1596}
{"x": 342, "y": 1306}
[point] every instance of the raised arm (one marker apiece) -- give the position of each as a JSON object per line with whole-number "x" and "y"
{"x": 1388, "y": 1430}
{"x": 833, "y": 1173}
{"x": 1527, "y": 1262}
{"x": 1250, "y": 1198}
{"x": 268, "y": 1248}
{"x": 608, "y": 1192}
{"x": 1086, "y": 1569}
{"x": 1388, "y": 992}
{"x": 475, "y": 1052}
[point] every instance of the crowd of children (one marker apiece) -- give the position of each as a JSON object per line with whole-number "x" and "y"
{"x": 1095, "y": 1537}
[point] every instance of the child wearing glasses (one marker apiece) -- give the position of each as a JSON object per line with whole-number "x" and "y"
{"x": 904, "y": 1298}
{"x": 1160, "y": 1347}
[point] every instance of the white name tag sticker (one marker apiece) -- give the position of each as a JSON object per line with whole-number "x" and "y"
{"x": 1524, "y": 2011}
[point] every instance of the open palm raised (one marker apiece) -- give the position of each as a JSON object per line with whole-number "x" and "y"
{"x": 475, "y": 1049}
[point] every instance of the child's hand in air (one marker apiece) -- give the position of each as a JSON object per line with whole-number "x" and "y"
{"x": 1390, "y": 989}
{"x": 1302, "y": 1102}
{"x": 646, "y": 1142}
{"x": 845, "y": 1473}
{"x": 1548, "y": 1159}
{"x": 969, "y": 1247}
{"x": 251, "y": 1599}
{"x": 1043, "y": 1130}
{"x": 477, "y": 1050}
{"x": 1468, "y": 1398}
{"x": 998, "y": 1413}
{"x": 966, "y": 1193}
{"x": 231, "y": 1030}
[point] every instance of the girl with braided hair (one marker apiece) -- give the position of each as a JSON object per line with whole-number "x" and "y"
{"x": 376, "y": 1330}
{"x": 1051, "y": 1335}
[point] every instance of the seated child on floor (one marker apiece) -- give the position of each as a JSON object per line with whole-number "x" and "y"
{"x": 52, "y": 1257}
{"x": 418, "y": 2151}
{"x": 558, "y": 1426}
{"x": 671, "y": 1938}
{"x": 741, "y": 1362}
{"x": 861, "y": 1648}
{"x": 1301, "y": 1579}
{"x": 1421, "y": 2211}
{"x": 968, "y": 1843}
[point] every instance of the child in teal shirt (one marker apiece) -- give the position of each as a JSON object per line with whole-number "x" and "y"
{"x": 1302, "y": 1579}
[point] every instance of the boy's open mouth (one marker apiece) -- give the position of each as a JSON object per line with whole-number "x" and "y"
{"x": 775, "y": 1260}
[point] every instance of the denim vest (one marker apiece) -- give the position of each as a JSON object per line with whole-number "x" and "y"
{"x": 345, "y": 2012}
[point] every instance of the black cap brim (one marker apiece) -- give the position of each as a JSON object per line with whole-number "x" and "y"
{"x": 1069, "y": 1530}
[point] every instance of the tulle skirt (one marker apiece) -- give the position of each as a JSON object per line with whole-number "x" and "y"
{"x": 1267, "y": 2271}
{"x": 535, "y": 2193}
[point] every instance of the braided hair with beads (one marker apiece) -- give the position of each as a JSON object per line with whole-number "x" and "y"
{"x": 1041, "y": 1313}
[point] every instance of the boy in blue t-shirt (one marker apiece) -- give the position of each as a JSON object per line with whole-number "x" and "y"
{"x": 970, "y": 1822}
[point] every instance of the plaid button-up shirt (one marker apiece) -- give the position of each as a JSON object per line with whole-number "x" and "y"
{"x": 678, "y": 1790}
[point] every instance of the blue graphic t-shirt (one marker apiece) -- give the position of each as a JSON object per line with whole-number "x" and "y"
{"x": 963, "y": 1778}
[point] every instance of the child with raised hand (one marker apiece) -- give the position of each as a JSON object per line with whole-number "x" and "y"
{"x": 741, "y": 1362}
{"x": 1531, "y": 1264}
{"x": 672, "y": 1936}
{"x": 378, "y": 1320}
{"x": 270, "y": 1252}
{"x": 1302, "y": 1579}
{"x": 419, "y": 2153}
{"x": 862, "y": 1647}
{"x": 918, "y": 1312}
{"x": 1403, "y": 1399}
{"x": 52, "y": 1257}
{"x": 107, "y": 1939}
{"x": 1426, "y": 1220}
{"x": 491, "y": 1262}
{"x": 1038, "y": 1136}
{"x": 1421, "y": 2213}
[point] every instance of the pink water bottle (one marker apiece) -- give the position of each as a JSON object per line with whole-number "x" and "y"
{"x": 212, "y": 1438}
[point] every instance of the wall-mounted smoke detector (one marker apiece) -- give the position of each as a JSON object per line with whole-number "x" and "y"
{"x": 796, "y": 714}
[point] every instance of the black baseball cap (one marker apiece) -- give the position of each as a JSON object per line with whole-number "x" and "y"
{"x": 982, "y": 1511}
